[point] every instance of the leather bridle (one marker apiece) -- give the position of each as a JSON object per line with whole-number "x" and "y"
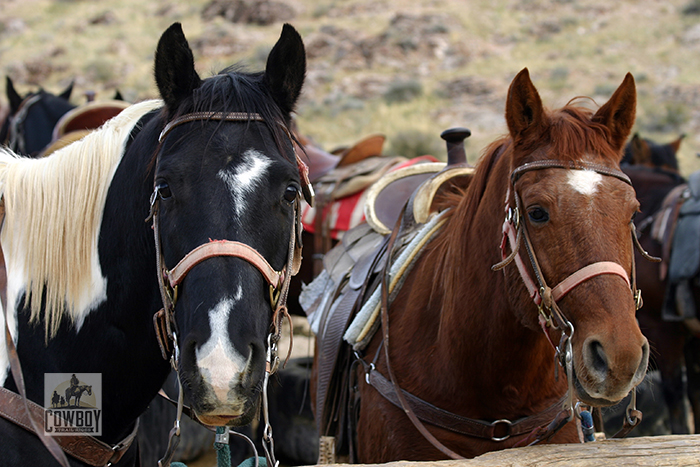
{"x": 15, "y": 138}
{"x": 278, "y": 281}
{"x": 170, "y": 279}
{"x": 545, "y": 297}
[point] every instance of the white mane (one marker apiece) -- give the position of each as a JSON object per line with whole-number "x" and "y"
{"x": 53, "y": 213}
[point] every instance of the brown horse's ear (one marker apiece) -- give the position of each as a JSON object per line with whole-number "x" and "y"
{"x": 675, "y": 145}
{"x": 619, "y": 112}
{"x": 524, "y": 111}
{"x": 640, "y": 152}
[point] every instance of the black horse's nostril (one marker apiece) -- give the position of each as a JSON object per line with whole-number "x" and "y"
{"x": 598, "y": 359}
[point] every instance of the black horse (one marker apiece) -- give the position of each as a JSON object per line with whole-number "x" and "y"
{"x": 214, "y": 164}
{"x": 29, "y": 125}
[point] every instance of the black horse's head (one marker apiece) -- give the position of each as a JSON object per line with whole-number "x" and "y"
{"x": 32, "y": 118}
{"x": 226, "y": 172}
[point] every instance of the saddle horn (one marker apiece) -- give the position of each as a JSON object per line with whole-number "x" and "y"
{"x": 454, "y": 137}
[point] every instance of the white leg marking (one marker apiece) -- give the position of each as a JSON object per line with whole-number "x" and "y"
{"x": 243, "y": 179}
{"x": 219, "y": 363}
{"x": 584, "y": 181}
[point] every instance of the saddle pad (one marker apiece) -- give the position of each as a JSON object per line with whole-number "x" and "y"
{"x": 685, "y": 252}
{"x": 365, "y": 323}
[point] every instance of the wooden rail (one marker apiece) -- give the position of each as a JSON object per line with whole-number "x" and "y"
{"x": 657, "y": 451}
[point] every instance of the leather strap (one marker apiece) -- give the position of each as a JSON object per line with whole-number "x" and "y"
{"x": 87, "y": 449}
{"x": 565, "y": 286}
{"x": 571, "y": 165}
{"x": 405, "y": 219}
{"x": 498, "y": 430}
{"x": 587, "y": 272}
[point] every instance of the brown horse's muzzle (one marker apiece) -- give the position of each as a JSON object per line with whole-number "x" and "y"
{"x": 608, "y": 367}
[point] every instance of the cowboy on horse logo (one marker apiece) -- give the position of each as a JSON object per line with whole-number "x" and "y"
{"x": 73, "y": 403}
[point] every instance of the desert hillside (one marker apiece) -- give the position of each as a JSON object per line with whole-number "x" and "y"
{"x": 405, "y": 68}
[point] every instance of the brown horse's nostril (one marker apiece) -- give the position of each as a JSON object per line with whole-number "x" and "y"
{"x": 598, "y": 359}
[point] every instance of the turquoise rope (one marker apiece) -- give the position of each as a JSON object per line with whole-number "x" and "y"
{"x": 223, "y": 455}
{"x": 223, "y": 450}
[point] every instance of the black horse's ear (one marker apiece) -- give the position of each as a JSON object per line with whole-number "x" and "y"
{"x": 286, "y": 68}
{"x": 12, "y": 95}
{"x": 118, "y": 96}
{"x": 67, "y": 92}
{"x": 174, "y": 67}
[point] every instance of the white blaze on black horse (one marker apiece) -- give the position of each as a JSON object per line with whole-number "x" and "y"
{"x": 82, "y": 262}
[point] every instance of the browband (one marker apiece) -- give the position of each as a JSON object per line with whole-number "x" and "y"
{"x": 572, "y": 165}
{"x": 223, "y": 116}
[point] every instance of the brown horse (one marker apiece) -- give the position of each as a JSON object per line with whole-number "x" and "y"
{"x": 469, "y": 340}
{"x": 645, "y": 152}
{"x": 674, "y": 348}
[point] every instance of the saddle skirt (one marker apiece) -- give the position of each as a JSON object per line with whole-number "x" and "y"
{"x": 677, "y": 228}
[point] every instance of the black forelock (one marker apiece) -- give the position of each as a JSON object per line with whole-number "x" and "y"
{"x": 235, "y": 90}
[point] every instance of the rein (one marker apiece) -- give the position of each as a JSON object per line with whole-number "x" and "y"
{"x": 278, "y": 281}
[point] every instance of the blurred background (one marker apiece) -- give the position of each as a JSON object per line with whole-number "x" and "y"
{"x": 405, "y": 68}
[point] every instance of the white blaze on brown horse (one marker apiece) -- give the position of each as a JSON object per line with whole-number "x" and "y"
{"x": 468, "y": 339}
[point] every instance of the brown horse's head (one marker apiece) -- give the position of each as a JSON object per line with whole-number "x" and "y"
{"x": 576, "y": 216}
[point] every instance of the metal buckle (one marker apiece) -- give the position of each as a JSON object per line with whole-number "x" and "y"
{"x": 638, "y": 302}
{"x": 275, "y": 293}
{"x": 513, "y": 216}
{"x": 547, "y": 318}
{"x": 507, "y": 423}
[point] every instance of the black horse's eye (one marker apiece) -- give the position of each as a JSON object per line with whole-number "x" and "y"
{"x": 538, "y": 215}
{"x": 291, "y": 193}
{"x": 163, "y": 190}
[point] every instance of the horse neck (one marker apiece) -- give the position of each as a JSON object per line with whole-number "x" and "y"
{"x": 119, "y": 333}
{"x": 468, "y": 318}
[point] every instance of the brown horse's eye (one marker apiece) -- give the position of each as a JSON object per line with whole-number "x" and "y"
{"x": 538, "y": 215}
{"x": 291, "y": 193}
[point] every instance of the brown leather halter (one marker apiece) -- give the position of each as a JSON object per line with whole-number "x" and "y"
{"x": 546, "y": 298}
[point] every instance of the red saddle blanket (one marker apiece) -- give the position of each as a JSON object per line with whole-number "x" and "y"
{"x": 345, "y": 213}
